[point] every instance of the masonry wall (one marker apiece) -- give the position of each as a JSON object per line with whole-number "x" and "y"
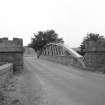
{"x": 6, "y": 72}
{"x": 11, "y": 51}
{"x": 94, "y": 57}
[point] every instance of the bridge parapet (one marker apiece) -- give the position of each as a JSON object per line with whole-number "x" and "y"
{"x": 94, "y": 57}
{"x": 12, "y": 51}
{"x": 11, "y": 45}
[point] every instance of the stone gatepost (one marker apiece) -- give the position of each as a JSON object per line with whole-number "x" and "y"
{"x": 94, "y": 57}
{"x": 11, "y": 51}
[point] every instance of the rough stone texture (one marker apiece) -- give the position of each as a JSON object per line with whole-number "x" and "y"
{"x": 6, "y": 72}
{"x": 94, "y": 57}
{"x": 12, "y": 51}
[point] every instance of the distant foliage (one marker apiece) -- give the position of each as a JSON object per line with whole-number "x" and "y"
{"x": 92, "y": 37}
{"x": 42, "y": 38}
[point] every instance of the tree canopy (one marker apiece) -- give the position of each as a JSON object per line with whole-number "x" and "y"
{"x": 42, "y": 38}
{"x": 91, "y": 37}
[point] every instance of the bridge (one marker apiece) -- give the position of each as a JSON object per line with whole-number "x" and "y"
{"x": 93, "y": 60}
{"x": 62, "y": 81}
{"x": 62, "y": 53}
{"x": 65, "y": 84}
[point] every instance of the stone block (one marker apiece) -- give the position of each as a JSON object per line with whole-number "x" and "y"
{"x": 12, "y": 51}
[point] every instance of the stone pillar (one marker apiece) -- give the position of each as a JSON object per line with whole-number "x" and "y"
{"x": 94, "y": 57}
{"x": 11, "y": 51}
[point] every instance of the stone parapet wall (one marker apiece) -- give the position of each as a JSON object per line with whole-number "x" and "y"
{"x": 11, "y": 51}
{"x": 95, "y": 61}
{"x": 6, "y": 72}
{"x": 15, "y": 45}
{"x": 94, "y": 57}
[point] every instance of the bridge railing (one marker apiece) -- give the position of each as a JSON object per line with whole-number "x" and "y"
{"x": 62, "y": 54}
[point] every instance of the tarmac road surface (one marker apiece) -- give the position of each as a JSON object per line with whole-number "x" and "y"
{"x": 67, "y": 85}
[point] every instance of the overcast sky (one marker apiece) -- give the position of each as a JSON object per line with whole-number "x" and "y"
{"x": 71, "y": 19}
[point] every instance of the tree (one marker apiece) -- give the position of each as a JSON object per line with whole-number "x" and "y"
{"x": 91, "y": 37}
{"x": 44, "y": 37}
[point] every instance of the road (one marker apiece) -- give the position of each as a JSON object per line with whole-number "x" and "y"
{"x": 66, "y": 85}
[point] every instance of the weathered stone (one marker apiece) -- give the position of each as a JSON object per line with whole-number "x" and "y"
{"x": 94, "y": 57}
{"x": 12, "y": 51}
{"x": 6, "y": 72}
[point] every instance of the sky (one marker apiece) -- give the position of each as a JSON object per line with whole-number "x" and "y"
{"x": 71, "y": 19}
